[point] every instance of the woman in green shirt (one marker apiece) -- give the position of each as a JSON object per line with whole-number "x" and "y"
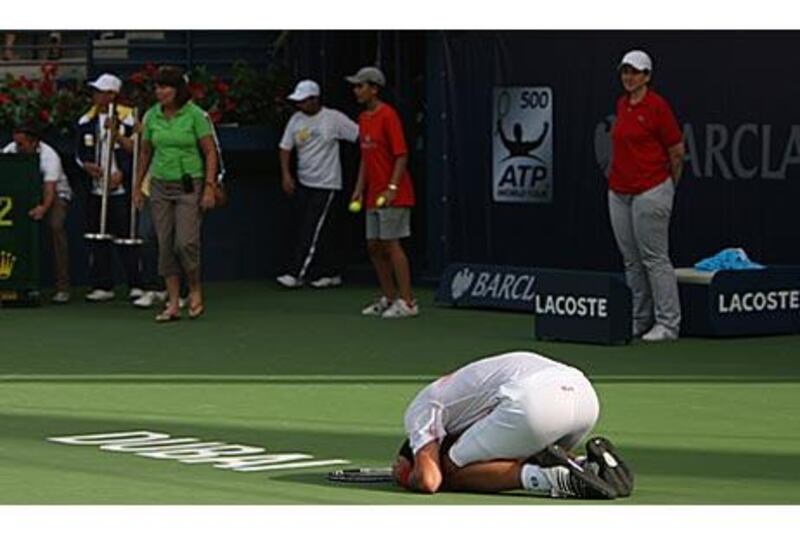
{"x": 179, "y": 153}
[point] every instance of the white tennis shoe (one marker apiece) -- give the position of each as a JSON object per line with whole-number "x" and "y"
{"x": 326, "y": 282}
{"x": 401, "y": 309}
{"x": 100, "y": 295}
{"x": 289, "y": 281}
{"x": 378, "y": 307}
{"x": 659, "y": 334}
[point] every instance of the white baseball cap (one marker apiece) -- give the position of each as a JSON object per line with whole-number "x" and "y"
{"x": 107, "y": 82}
{"x": 638, "y": 60}
{"x": 304, "y": 89}
{"x": 368, "y": 75}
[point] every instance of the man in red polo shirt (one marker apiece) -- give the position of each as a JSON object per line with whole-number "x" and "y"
{"x": 646, "y": 165}
{"x": 382, "y": 174}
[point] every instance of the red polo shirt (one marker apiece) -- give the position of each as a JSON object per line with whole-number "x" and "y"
{"x": 382, "y": 142}
{"x": 641, "y": 135}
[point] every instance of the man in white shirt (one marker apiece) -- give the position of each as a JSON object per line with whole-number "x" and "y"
{"x": 56, "y": 196}
{"x": 314, "y": 131}
{"x": 509, "y": 422}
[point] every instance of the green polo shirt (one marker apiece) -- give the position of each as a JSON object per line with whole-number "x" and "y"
{"x": 175, "y": 141}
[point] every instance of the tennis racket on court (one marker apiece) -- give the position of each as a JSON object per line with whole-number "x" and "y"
{"x": 362, "y": 475}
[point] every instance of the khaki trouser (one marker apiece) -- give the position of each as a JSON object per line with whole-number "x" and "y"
{"x": 177, "y": 218}
{"x": 55, "y": 221}
{"x": 641, "y": 228}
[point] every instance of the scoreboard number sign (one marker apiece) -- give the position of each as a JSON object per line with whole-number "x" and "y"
{"x": 20, "y": 188}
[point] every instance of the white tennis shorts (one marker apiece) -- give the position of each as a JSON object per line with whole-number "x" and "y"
{"x": 558, "y": 405}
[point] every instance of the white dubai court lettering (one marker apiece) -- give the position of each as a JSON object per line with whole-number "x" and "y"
{"x": 191, "y": 450}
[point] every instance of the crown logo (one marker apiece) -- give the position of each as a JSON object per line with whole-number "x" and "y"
{"x": 7, "y": 260}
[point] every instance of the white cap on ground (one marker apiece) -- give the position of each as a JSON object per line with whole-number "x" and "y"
{"x": 638, "y": 60}
{"x": 107, "y": 82}
{"x": 304, "y": 89}
{"x": 368, "y": 75}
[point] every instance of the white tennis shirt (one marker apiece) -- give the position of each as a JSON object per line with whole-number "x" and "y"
{"x": 316, "y": 138}
{"x": 454, "y": 402}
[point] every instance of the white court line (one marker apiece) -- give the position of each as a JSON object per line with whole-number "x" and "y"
{"x": 356, "y": 379}
{"x": 267, "y": 378}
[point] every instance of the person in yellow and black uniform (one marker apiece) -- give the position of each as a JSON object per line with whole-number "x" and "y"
{"x": 89, "y": 148}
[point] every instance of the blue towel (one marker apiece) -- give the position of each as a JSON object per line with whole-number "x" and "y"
{"x": 728, "y": 259}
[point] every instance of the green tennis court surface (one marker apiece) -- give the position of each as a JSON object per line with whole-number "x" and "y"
{"x": 702, "y": 421}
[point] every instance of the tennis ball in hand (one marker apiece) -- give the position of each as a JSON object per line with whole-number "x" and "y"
{"x": 380, "y": 202}
{"x": 355, "y": 206}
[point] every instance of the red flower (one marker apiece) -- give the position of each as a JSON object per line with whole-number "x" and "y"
{"x": 229, "y": 105}
{"x": 151, "y": 69}
{"x": 25, "y": 82}
{"x": 221, "y": 87}
{"x": 198, "y": 91}
{"x": 215, "y": 115}
{"x": 4, "y": 99}
{"x": 47, "y": 88}
{"x": 49, "y": 70}
{"x": 44, "y": 115}
{"x": 137, "y": 78}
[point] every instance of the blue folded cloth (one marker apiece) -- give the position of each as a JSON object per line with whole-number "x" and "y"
{"x": 728, "y": 259}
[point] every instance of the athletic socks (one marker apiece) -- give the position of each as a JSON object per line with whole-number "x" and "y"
{"x": 535, "y": 480}
{"x": 554, "y": 481}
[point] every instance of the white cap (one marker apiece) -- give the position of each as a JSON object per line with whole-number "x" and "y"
{"x": 304, "y": 89}
{"x": 107, "y": 82}
{"x": 368, "y": 75}
{"x": 638, "y": 60}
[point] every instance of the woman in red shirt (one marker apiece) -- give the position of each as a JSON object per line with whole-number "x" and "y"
{"x": 646, "y": 165}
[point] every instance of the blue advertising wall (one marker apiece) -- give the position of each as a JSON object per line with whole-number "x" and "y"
{"x": 735, "y": 94}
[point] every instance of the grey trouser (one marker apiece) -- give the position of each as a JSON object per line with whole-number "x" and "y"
{"x": 176, "y": 217}
{"x": 149, "y": 250}
{"x": 641, "y": 228}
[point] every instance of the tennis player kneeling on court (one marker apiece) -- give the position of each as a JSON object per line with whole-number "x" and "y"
{"x": 509, "y": 422}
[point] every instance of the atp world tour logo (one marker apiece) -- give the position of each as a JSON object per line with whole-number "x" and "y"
{"x": 522, "y": 146}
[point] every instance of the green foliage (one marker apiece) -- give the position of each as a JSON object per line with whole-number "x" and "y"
{"x": 40, "y": 102}
{"x": 250, "y": 96}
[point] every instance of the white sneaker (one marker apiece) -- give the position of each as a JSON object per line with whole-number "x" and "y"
{"x": 326, "y": 282}
{"x": 146, "y": 300}
{"x": 659, "y": 334}
{"x": 135, "y": 293}
{"x": 638, "y": 331}
{"x": 99, "y": 295}
{"x": 378, "y": 307}
{"x": 401, "y": 309}
{"x": 289, "y": 281}
{"x": 60, "y": 297}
